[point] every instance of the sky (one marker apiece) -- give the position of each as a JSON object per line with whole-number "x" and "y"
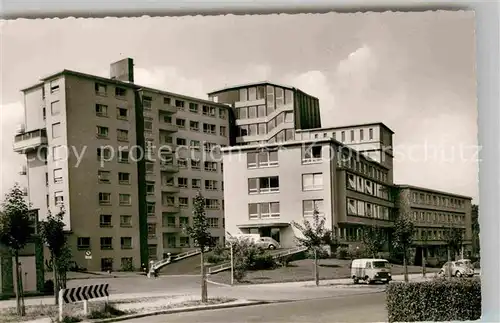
{"x": 415, "y": 72}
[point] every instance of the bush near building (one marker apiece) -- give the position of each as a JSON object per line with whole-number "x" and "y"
{"x": 440, "y": 300}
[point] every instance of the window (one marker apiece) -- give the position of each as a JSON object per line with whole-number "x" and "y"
{"x": 211, "y": 204}
{"x": 312, "y": 182}
{"x": 213, "y": 222}
{"x": 125, "y": 199}
{"x": 243, "y": 95}
{"x": 351, "y": 181}
{"x": 183, "y": 202}
{"x": 126, "y": 263}
{"x": 222, "y": 113}
{"x": 182, "y": 163}
{"x": 150, "y": 168}
{"x": 209, "y": 146}
{"x": 57, "y": 152}
{"x": 122, "y": 113}
{"x": 312, "y": 154}
{"x": 210, "y": 166}
{"x": 183, "y": 221}
{"x": 104, "y": 198}
{"x": 151, "y": 230}
{"x": 101, "y": 89}
{"x": 150, "y": 208}
{"x": 342, "y": 135}
{"x": 262, "y": 159}
{"x": 210, "y": 185}
{"x": 150, "y": 188}
{"x": 101, "y": 110}
{"x": 170, "y": 222}
{"x": 263, "y": 210}
{"x": 209, "y": 128}
{"x": 370, "y": 133}
{"x": 104, "y": 176}
{"x": 361, "y": 135}
{"x": 352, "y": 135}
{"x": 167, "y": 100}
{"x": 182, "y": 182}
{"x": 103, "y": 153}
{"x": 125, "y": 221}
{"x": 106, "y": 243}
{"x": 55, "y": 108}
{"x": 208, "y": 111}
{"x": 223, "y": 131}
{"x": 193, "y": 107}
{"x": 58, "y": 175}
{"x": 181, "y": 142}
{"x": 263, "y": 185}
{"x": 58, "y": 198}
{"x": 195, "y": 183}
{"x": 184, "y": 242}
{"x": 181, "y": 123}
{"x": 120, "y": 92}
{"x": 83, "y": 243}
{"x": 102, "y": 132}
{"x": 121, "y": 135}
{"x": 352, "y": 207}
{"x": 105, "y": 220}
{"x": 194, "y": 125}
{"x": 179, "y": 104}
{"x": 148, "y": 124}
{"x": 195, "y": 165}
{"x": 308, "y": 207}
{"x": 123, "y": 156}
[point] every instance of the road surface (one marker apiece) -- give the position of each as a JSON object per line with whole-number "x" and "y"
{"x": 352, "y": 308}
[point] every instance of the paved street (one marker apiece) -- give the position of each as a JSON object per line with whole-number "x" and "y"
{"x": 354, "y": 308}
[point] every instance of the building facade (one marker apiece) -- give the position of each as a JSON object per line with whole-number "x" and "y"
{"x": 124, "y": 161}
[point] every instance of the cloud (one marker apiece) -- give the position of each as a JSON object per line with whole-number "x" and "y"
{"x": 11, "y": 115}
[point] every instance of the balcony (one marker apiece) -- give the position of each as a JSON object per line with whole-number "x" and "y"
{"x": 29, "y": 141}
{"x": 170, "y": 188}
{"x": 168, "y": 108}
{"x": 168, "y": 127}
{"x": 170, "y": 208}
{"x": 169, "y": 167}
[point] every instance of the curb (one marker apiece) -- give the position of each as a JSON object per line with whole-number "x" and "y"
{"x": 218, "y": 284}
{"x": 179, "y": 310}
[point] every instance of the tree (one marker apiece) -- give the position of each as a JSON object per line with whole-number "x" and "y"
{"x": 453, "y": 238}
{"x": 475, "y": 229}
{"x": 199, "y": 232}
{"x": 315, "y": 236}
{"x": 403, "y": 239}
{"x": 15, "y": 233}
{"x": 52, "y": 233}
{"x": 373, "y": 239}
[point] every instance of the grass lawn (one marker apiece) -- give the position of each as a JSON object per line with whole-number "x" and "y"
{"x": 302, "y": 270}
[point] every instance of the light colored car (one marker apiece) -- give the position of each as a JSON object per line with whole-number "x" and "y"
{"x": 267, "y": 243}
{"x": 459, "y": 268}
{"x": 371, "y": 271}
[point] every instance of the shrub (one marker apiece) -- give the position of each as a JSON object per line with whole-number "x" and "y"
{"x": 248, "y": 256}
{"x": 216, "y": 259}
{"x": 342, "y": 253}
{"x": 436, "y": 300}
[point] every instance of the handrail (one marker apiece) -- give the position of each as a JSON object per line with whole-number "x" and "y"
{"x": 227, "y": 265}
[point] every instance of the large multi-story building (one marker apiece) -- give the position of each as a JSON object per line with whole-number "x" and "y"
{"x": 346, "y": 173}
{"x": 124, "y": 160}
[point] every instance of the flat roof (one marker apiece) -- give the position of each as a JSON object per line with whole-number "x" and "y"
{"x": 239, "y": 86}
{"x": 300, "y": 143}
{"x": 430, "y": 190}
{"x": 347, "y": 127}
{"x": 122, "y": 83}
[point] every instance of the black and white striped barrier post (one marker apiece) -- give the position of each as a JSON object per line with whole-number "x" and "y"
{"x": 81, "y": 294}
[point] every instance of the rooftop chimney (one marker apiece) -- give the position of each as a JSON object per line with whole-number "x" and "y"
{"x": 123, "y": 70}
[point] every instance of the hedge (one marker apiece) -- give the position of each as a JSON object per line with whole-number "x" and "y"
{"x": 436, "y": 300}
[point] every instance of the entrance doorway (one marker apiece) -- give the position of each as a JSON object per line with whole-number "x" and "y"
{"x": 270, "y": 232}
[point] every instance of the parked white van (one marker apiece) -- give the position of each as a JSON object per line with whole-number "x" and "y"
{"x": 371, "y": 270}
